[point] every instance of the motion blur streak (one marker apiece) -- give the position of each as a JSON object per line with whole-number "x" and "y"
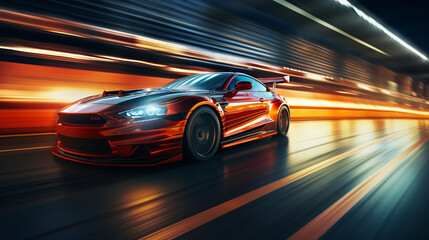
{"x": 320, "y": 21}
{"x": 55, "y": 53}
{"x": 317, "y": 227}
{"x": 381, "y": 27}
{"x": 27, "y": 135}
{"x": 30, "y": 96}
{"x": 23, "y": 149}
{"x": 199, "y": 219}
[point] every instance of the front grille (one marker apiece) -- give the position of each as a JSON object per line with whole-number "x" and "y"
{"x": 82, "y": 119}
{"x": 86, "y": 145}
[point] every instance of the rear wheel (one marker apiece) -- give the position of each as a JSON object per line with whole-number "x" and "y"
{"x": 283, "y": 120}
{"x": 202, "y": 135}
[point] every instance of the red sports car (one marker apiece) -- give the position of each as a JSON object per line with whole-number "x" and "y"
{"x": 190, "y": 117}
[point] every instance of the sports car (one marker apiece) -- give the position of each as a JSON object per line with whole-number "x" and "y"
{"x": 190, "y": 118}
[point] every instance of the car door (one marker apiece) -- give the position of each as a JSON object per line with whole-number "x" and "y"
{"x": 247, "y": 110}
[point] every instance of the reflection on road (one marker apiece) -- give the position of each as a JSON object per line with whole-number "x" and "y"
{"x": 54, "y": 198}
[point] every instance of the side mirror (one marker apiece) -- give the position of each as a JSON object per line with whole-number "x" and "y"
{"x": 243, "y": 85}
{"x": 240, "y": 86}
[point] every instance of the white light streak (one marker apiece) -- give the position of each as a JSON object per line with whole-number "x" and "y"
{"x": 382, "y": 28}
{"x": 323, "y": 23}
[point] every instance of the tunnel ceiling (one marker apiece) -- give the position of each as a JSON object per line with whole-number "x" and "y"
{"x": 403, "y": 18}
{"x": 410, "y": 19}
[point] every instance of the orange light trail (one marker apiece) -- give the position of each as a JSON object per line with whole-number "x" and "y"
{"x": 32, "y": 85}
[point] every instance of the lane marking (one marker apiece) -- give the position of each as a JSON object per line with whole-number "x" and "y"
{"x": 23, "y": 149}
{"x": 317, "y": 227}
{"x": 27, "y": 134}
{"x": 179, "y": 228}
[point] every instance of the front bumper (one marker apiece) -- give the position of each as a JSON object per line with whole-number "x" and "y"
{"x": 136, "y": 144}
{"x": 114, "y": 161}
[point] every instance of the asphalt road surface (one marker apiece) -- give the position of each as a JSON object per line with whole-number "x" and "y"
{"x": 346, "y": 179}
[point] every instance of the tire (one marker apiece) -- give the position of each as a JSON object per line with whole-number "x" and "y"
{"x": 202, "y": 135}
{"x": 283, "y": 120}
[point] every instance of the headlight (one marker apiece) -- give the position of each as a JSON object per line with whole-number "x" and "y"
{"x": 146, "y": 112}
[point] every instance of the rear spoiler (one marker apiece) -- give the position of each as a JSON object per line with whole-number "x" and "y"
{"x": 273, "y": 81}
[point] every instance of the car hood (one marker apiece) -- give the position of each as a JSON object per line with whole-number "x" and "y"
{"x": 132, "y": 98}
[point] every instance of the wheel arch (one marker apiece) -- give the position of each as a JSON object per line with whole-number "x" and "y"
{"x": 277, "y": 122}
{"x": 287, "y": 106}
{"x": 213, "y": 107}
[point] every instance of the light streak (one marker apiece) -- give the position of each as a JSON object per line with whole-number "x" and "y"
{"x": 382, "y": 28}
{"x": 323, "y": 23}
{"x": 318, "y": 103}
{"x": 53, "y": 53}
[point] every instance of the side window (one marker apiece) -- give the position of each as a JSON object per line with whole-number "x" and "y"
{"x": 256, "y": 86}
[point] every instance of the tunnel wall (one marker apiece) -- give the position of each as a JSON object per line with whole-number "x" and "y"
{"x": 55, "y": 52}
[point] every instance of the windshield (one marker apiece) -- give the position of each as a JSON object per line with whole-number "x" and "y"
{"x": 210, "y": 81}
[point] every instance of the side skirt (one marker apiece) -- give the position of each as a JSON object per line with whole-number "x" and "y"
{"x": 232, "y": 141}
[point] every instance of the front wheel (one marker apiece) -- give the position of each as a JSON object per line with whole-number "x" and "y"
{"x": 202, "y": 135}
{"x": 283, "y": 120}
